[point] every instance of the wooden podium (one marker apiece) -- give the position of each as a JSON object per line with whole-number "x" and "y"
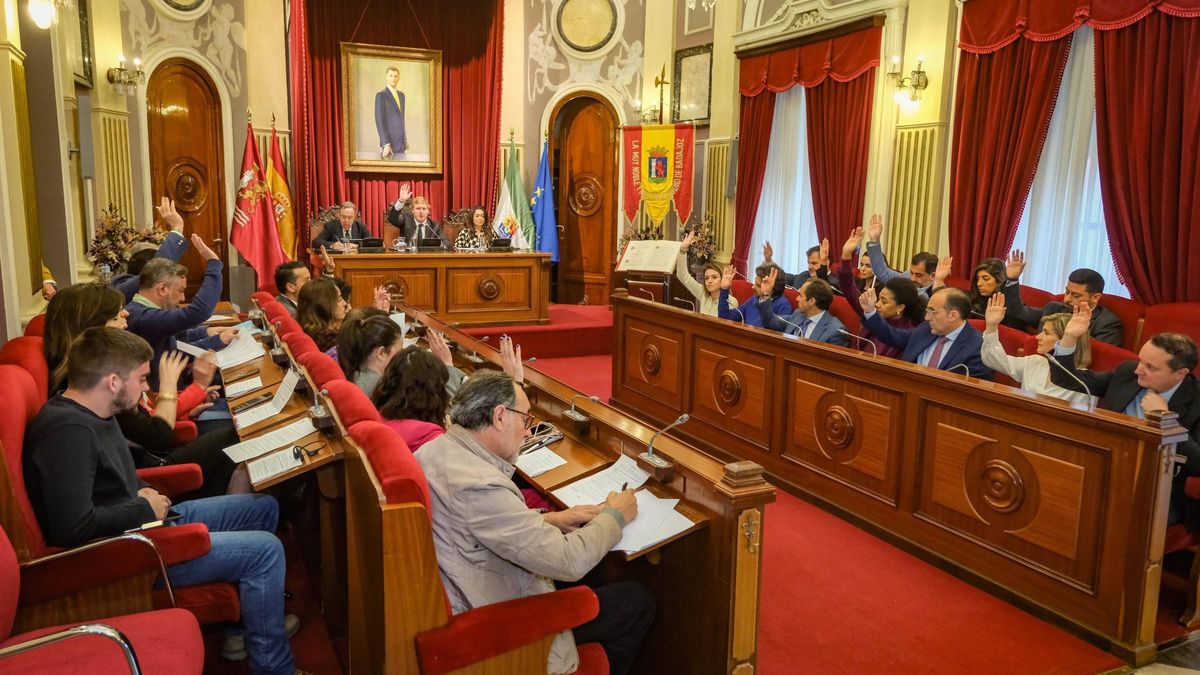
{"x": 464, "y": 289}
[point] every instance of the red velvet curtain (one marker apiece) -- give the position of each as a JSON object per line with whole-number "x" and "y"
{"x": 988, "y": 25}
{"x": 842, "y": 110}
{"x": 469, "y": 34}
{"x": 754, "y": 135}
{"x": 1148, "y": 132}
{"x": 839, "y": 141}
{"x": 1002, "y": 109}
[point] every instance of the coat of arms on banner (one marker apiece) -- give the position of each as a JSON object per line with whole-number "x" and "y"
{"x": 658, "y": 170}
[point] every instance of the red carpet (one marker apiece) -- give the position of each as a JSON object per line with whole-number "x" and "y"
{"x": 589, "y": 374}
{"x": 837, "y": 600}
{"x": 574, "y": 330}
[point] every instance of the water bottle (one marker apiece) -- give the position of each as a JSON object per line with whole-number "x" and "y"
{"x": 105, "y": 273}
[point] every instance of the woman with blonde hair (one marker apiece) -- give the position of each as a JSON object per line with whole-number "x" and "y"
{"x": 1033, "y": 372}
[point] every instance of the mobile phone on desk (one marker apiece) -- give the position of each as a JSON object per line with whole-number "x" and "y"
{"x": 246, "y": 405}
{"x": 170, "y": 518}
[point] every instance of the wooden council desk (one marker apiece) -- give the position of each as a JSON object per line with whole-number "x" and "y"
{"x": 462, "y": 288}
{"x": 1058, "y": 509}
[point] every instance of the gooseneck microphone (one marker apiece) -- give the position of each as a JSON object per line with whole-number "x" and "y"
{"x": 648, "y": 293}
{"x": 966, "y": 370}
{"x": 799, "y": 330}
{"x": 1091, "y": 399}
{"x": 574, "y": 414}
{"x": 474, "y": 356}
{"x": 649, "y": 456}
{"x": 739, "y": 311}
{"x": 874, "y": 349}
{"x": 677, "y": 299}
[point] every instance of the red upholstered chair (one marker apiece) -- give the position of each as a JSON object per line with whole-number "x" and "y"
{"x": 1131, "y": 313}
{"x": 1018, "y": 340}
{"x": 275, "y": 311}
{"x": 742, "y": 290}
{"x": 299, "y": 342}
{"x": 1171, "y": 317}
{"x": 958, "y": 282}
{"x": 388, "y": 506}
{"x": 36, "y": 326}
{"x": 209, "y": 602}
{"x": 845, "y": 313}
{"x": 288, "y": 322}
{"x": 351, "y": 404}
{"x": 792, "y": 295}
{"x": 1107, "y": 357}
{"x": 1180, "y": 538}
{"x": 1036, "y": 297}
{"x": 26, "y": 352}
{"x": 162, "y": 641}
{"x": 262, "y": 298}
{"x": 322, "y": 368}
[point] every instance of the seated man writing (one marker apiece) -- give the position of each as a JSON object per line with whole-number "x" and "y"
{"x": 82, "y": 484}
{"x": 491, "y": 547}
{"x": 944, "y": 340}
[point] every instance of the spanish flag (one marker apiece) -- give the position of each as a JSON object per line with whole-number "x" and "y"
{"x": 281, "y": 198}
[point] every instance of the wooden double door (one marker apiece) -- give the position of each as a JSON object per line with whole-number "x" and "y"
{"x": 586, "y": 179}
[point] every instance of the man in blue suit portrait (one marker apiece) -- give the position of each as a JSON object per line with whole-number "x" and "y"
{"x": 389, "y": 117}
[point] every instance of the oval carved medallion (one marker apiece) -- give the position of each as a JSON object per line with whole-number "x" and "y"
{"x": 1002, "y": 486}
{"x": 651, "y": 360}
{"x": 489, "y": 288}
{"x": 585, "y": 197}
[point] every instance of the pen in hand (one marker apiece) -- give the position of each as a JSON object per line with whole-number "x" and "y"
{"x": 624, "y": 486}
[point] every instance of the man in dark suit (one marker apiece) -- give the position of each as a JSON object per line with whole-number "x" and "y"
{"x": 389, "y": 117}
{"x": 415, "y": 224}
{"x": 290, "y": 277}
{"x": 811, "y": 320}
{"x": 341, "y": 234}
{"x": 1083, "y": 285}
{"x": 818, "y": 265}
{"x": 944, "y": 340}
{"x": 1162, "y": 378}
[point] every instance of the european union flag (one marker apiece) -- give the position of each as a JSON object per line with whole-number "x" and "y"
{"x": 542, "y": 205}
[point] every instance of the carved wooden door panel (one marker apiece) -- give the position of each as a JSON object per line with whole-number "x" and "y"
{"x": 586, "y": 190}
{"x": 187, "y": 163}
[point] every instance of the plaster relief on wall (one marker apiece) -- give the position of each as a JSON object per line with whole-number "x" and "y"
{"x": 216, "y": 33}
{"x": 551, "y": 68}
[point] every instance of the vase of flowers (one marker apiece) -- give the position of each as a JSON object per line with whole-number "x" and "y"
{"x": 701, "y": 250}
{"x": 115, "y": 239}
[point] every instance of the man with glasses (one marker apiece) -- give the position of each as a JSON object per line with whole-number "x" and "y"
{"x": 491, "y": 547}
{"x": 944, "y": 340}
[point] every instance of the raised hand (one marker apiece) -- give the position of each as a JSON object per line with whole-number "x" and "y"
{"x": 1016, "y": 264}
{"x": 767, "y": 251}
{"x": 995, "y": 312}
{"x": 1077, "y": 327}
{"x": 945, "y": 267}
{"x": 766, "y": 287}
{"x": 510, "y": 359}
{"x": 441, "y": 350}
{"x": 875, "y": 228}
{"x": 166, "y": 211}
{"x": 687, "y": 242}
{"x": 867, "y": 299}
{"x": 204, "y": 368}
{"x": 405, "y": 192}
{"x": 329, "y": 267}
{"x": 852, "y": 243}
{"x": 170, "y": 367}
{"x": 824, "y": 254}
{"x": 727, "y": 277}
{"x": 382, "y": 299}
{"x": 202, "y": 248}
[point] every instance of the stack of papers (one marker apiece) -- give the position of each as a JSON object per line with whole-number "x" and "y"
{"x": 656, "y": 520}
{"x": 249, "y": 328}
{"x": 272, "y": 465}
{"x": 273, "y": 407}
{"x": 283, "y": 436}
{"x": 595, "y": 488}
{"x": 242, "y": 386}
{"x": 538, "y": 462}
{"x": 244, "y": 348}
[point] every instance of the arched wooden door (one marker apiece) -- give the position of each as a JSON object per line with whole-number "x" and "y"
{"x": 586, "y": 187}
{"x": 187, "y": 162}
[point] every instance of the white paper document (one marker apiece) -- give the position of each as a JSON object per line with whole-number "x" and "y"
{"x": 283, "y": 436}
{"x": 643, "y": 530}
{"x": 244, "y": 348}
{"x": 219, "y": 317}
{"x": 249, "y": 328}
{"x": 188, "y": 348}
{"x": 242, "y": 386}
{"x": 539, "y": 462}
{"x": 595, "y": 488}
{"x": 649, "y": 255}
{"x": 400, "y": 320}
{"x": 273, "y": 407}
{"x": 273, "y": 464}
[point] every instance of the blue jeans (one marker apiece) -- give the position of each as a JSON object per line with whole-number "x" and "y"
{"x": 246, "y": 552}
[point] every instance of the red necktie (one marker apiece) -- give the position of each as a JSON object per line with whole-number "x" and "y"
{"x": 936, "y": 357}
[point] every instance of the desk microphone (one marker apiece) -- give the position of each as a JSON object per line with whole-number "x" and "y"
{"x": 960, "y": 365}
{"x": 874, "y": 349}
{"x": 474, "y": 356}
{"x": 1091, "y": 399}
{"x": 687, "y": 301}
{"x": 648, "y": 293}
{"x": 739, "y": 311}
{"x": 799, "y": 330}
{"x": 321, "y": 417}
{"x": 574, "y": 414}
{"x": 649, "y": 456}
{"x": 532, "y": 359}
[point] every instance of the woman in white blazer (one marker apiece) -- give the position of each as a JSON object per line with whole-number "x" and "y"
{"x": 1033, "y": 372}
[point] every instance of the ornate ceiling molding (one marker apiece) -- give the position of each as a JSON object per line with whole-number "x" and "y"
{"x": 797, "y": 18}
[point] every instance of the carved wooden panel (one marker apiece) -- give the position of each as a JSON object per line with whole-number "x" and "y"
{"x": 729, "y": 390}
{"x": 585, "y": 185}
{"x": 652, "y": 362}
{"x": 183, "y": 116}
{"x": 844, "y": 428}
{"x": 417, "y": 285}
{"x": 475, "y": 289}
{"x": 1029, "y": 493}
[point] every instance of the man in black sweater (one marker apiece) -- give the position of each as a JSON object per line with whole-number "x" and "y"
{"x": 81, "y": 480}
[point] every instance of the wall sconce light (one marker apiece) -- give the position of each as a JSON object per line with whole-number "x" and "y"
{"x": 43, "y": 13}
{"x": 908, "y": 89}
{"x": 125, "y": 80}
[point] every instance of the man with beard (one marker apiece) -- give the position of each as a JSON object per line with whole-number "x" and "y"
{"x": 81, "y": 481}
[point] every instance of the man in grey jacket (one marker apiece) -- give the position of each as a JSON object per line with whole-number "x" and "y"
{"x": 491, "y": 547}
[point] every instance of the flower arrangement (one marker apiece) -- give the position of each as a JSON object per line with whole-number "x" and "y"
{"x": 115, "y": 238}
{"x": 701, "y": 250}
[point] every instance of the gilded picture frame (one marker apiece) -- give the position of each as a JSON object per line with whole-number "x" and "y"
{"x": 391, "y": 96}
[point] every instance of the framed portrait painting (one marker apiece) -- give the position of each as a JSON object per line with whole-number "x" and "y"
{"x": 391, "y": 109}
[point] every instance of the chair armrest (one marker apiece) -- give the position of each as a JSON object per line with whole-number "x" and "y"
{"x": 180, "y": 543}
{"x": 98, "y": 629}
{"x": 174, "y": 479}
{"x": 485, "y": 632}
{"x": 184, "y": 432}
{"x": 92, "y": 565}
